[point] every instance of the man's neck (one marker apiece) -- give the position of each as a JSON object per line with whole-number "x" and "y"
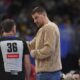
{"x": 8, "y": 34}
{"x": 46, "y": 21}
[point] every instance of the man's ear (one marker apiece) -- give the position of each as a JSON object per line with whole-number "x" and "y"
{"x": 12, "y": 29}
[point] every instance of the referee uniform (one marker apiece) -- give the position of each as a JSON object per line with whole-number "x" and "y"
{"x": 12, "y": 51}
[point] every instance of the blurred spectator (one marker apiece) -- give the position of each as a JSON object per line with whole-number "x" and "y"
{"x": 67, "y": 36}
{"x": 67, "y": 41}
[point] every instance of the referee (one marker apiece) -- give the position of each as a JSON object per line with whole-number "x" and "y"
{"x": 14, "y": 54}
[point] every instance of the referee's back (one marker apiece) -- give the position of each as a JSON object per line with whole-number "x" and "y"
{"x": 12, "y": 53}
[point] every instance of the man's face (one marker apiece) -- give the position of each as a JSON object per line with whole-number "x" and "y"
{"x": 38, "y": 19}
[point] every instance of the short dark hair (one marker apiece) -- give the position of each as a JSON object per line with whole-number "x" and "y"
{"x": 7, "y": 25}
{"x": 38, "y": 10}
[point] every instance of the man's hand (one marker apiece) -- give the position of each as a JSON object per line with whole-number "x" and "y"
{"x": 33, "y": 53}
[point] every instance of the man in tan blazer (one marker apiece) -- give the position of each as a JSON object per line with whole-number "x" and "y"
{"x": 45, "y": 47}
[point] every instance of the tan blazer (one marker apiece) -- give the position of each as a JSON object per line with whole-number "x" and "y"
{"x": 46, "y": 46}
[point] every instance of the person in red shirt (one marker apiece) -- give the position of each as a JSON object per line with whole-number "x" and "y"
{"x": 32, "y": 73}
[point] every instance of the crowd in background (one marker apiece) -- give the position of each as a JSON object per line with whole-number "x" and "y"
{"x": 65, "y": 13}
